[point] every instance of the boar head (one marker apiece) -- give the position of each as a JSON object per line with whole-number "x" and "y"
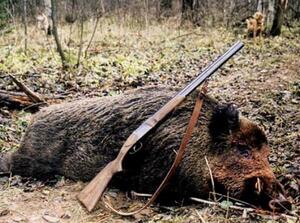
{"x": 240, "y": 161}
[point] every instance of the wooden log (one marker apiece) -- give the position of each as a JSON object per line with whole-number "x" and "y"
{"x": 14, "y": 99}
{"x": 18, "y": 100}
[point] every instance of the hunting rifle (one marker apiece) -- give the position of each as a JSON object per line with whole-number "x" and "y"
{"x": 90, "y": 195}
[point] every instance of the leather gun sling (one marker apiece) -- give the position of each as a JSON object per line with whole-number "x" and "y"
{"x": 192, "y": 123}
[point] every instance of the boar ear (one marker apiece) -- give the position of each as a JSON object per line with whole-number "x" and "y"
{"x": 258, "y": 137}
{"x": 224, "y": 120}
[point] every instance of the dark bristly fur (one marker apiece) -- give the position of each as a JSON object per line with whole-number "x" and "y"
{"x": 78, "y": 139}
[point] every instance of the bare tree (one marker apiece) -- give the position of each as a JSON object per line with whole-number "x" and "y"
{"x": 81, "y": 38}
{"x": 48, "y": 13}
{"x": 271, "y": 13}
{"x": 24, "y": 15}
{"x": 262, "y": 6}
{"x": 187, "y": 9}
{"x": 70, "y": 18}
{"x": 146, "y": 9}
{"x": 55, "y": 34}
{"x": 228, "y": 7}
{"x": 280, "y": 6}
{"x": 95, "y": 27}
{"x": 11, "y": 11}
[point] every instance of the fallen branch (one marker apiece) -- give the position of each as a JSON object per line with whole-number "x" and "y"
{"x": 33, "y": 96}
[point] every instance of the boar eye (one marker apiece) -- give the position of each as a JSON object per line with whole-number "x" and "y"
{"x": 244, "y": 150}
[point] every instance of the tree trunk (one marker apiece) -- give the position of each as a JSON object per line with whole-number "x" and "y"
{"x": 92, "y": 37}
{"x": 25, "y": 24}
{"x": 81, "y": 40}
{"x": 95, "y": 27}
{"x": 262, "y": 6}
{"x": 259, "y": 6}
{"x": 177, "y": 6}
{"x": 165, "y": 5}
{"x": 48, "y": 12}
{"x": 187, "y": 9}
{"x": 278, "y": 18}
{"x": 55, "y": 33}
{"x": 11, "y": 5}
{"x": 271, "y": 13}
{"x": 146, "y": 9}
{"x": 228, "y": 8}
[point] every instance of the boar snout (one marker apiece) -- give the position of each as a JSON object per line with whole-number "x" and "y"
{"x": 266, "y": 192}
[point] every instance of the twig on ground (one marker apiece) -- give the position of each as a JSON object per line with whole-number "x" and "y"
{"x": 200, "y": 216}
{"x": 227, "y": 208}
{"x": 211, "y": 178}
{"x": 234, "y": 199}
{"x": 136, "y": 194}
{"x": 9, "y": 179}
{"x": 35, "y": 105}
{"x": 179, "y": 36}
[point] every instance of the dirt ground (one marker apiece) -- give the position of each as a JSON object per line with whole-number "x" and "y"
{"x": 263, "y": 80}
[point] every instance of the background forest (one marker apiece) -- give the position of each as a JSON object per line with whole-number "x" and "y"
{"x": 70, "y": 49}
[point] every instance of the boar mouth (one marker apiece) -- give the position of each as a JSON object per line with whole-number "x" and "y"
{"x": 265, "y": 195}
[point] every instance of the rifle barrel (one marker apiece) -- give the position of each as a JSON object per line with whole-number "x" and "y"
{"x": 209, "y": 70}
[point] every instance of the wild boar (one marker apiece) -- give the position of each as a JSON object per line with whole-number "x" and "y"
{"x": 78, "y": 139}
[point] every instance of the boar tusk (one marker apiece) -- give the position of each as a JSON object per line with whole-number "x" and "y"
{"x": 258, "y": 185}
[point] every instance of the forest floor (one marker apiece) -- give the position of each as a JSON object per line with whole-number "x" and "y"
{"x": 263, "y": 80}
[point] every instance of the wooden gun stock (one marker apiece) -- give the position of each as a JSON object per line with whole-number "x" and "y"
{"x": 90, "y": 195}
